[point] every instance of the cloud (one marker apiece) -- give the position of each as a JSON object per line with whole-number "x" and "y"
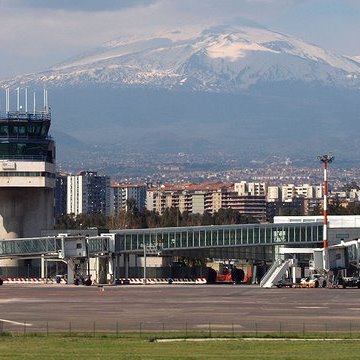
{"x": 78, "y": 5}
{"x": 41, "y": 33}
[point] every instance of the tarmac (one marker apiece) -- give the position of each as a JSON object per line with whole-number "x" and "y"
{"x": 205, "y": 308}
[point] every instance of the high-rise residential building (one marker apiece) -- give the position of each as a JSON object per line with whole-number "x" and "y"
{"x": 61, "y": 194}
{"x": 123, "y": 194}
{"x": 88, "y": 193}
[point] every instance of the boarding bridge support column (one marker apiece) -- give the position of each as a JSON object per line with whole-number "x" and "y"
{"x": 43, "y": 267}
{"x": 110, "y": 273}
{"x": 293, "y": 270}
{"x": 116, "y": 266}
{"x": 126, "y": 265}
{"x": 70, "y": 271}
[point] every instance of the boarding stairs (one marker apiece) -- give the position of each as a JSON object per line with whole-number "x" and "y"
{"x": 276, "y": 272}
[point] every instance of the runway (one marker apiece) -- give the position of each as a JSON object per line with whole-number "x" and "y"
{"x": 186, "y": 307}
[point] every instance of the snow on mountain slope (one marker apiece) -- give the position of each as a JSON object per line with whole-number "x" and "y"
{"x": 218, "y": 59}
{"x": 355, "y": 58}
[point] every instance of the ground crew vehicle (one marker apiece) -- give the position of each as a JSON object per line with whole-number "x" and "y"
{"x": 284, "y": 283}
{"x": 352, "y": 281}
{"x": 313, "y": 281}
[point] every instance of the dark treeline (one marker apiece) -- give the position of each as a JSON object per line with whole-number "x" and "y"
{"x": 336, "y": 208}
{"x": 135, "y": 219}
{"x": 172, "y": 217}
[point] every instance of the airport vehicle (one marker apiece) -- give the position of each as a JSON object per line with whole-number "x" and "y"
{"x": 313, "y": 281}
{"x": 284, "y": 283}
{"x": 352, "y": 281}
{"x": 228, "y": 274}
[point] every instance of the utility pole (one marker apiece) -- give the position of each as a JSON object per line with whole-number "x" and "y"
{"x": 144, "y": 280}
{"x": 325, "y": 159}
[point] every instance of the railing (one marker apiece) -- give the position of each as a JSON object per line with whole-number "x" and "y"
{"x": 23, "y": 157}
{"x": 16, "y": 115}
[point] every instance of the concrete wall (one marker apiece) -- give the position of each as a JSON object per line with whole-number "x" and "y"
{"x": 25, "y": 212}
{"x": 30, "y": 167}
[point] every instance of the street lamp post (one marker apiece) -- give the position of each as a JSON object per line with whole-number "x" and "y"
{"x": 325, "y": 159}
{"x": 144, "y": 276}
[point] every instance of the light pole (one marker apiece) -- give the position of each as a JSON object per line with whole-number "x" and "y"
{"x": 144, "y": 276}
{"x": 325, "y": 159}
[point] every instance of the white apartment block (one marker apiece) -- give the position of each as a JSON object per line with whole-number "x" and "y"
{"x": 287, "y": 192}
{"x": 88, "y": 193}
{"x": 306, "y": 191}
{"x": 244, "y": 188}
{"x": 121, "y": 194}
{"x": 354, "y": 194}
{"x": 273, "y": 193}
{"x": 198, "y": 203}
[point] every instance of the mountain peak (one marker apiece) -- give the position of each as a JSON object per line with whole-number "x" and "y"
{"x": 226, "y": 58}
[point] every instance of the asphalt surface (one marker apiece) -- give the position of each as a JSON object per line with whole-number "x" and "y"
{"x": 33, "y": 308}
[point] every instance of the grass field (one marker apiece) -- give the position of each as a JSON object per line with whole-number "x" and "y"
{"x": 108, "y": 347}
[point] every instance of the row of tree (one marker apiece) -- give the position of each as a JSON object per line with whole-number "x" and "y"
{"x": 171, "y": 217}
{"x": 135, "y": 219}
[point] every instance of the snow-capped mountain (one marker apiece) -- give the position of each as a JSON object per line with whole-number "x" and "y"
{"x": 244, "y": 90}
{"x": 220, "y": 59}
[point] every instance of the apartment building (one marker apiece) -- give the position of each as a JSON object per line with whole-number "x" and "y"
{"x": 61, "y": 194}
{"x": 207, "y": 197}
{"x": 288, "y": 192}
{"x": 244, "y": 188}
{"x": 88, "y": 193}
{"x": 122, "y": 194}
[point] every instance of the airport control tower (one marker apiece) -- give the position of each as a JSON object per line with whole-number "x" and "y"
{"x": 27, "y": 168}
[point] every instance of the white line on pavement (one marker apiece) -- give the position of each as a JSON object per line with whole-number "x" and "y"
{"x": 15, "y": 322}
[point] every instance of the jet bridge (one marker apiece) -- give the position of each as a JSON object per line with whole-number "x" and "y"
{"x": 82, "y": 254}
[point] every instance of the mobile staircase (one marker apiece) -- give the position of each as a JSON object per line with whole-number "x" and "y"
{"x": 276, "y": 272}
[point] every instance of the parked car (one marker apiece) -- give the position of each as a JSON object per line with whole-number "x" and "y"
{"x": 314, "y": 280}
{"x": 283, "y": 283}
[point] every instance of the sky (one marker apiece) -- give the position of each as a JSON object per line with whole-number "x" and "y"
{"x": 36, "y": 34}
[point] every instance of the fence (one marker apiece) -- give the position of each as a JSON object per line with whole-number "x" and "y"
{"x": 88, "y": 327}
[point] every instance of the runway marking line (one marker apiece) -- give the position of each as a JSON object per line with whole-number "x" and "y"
{"x": 15, "y": 322}
{"x": 249, "y": 339}
{"x": 311, "y": 307}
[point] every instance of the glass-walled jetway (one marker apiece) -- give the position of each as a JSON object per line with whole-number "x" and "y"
{"x": 202, "y": 237}
{"x": 52, "y": 246}
{"x": 177, "y": 239}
